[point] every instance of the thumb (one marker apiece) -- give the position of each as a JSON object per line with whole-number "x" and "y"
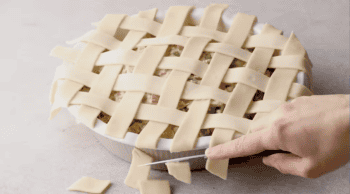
{"x": 285, "y": 163}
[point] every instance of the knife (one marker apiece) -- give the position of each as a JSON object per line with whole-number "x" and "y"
{"x": 264, "y": 153}
{"x": 175, "y": 160}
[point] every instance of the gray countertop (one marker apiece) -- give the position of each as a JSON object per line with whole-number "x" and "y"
{"x": 41, "y": 156}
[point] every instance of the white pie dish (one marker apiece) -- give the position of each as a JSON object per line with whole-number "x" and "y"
{"x": 123, "y": 147}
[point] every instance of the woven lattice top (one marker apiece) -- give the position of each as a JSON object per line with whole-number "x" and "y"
{"x": 175, "y": 73}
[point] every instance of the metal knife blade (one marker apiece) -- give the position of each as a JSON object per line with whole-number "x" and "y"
{"x": 262, "y": 154}
{"x": 174, "y": 160}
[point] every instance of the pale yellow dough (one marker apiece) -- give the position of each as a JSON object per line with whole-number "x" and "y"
{"x": 137, "y": 177}
{"x": 154, "y": 187}
{"x": 180, "y": 170}
{"x": 90, "y": 185}
{"x": 136, "y": 172}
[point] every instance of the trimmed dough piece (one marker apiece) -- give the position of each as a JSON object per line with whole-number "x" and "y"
{"x": 90, "y": 185}
{"x": 154, "y": 187}
{"x": 180, "y": 170}
{"x": 136, "y": 172}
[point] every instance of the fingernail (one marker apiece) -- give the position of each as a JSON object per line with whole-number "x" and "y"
{"x": 207, "y": 152}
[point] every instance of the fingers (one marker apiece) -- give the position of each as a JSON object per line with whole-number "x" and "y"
{"x": 246, "y": 145}
{"x": 258, "y": 124}
{"x": 286, "y": 163}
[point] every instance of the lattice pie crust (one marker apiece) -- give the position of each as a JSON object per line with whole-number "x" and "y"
{"x": 176, "y": 79}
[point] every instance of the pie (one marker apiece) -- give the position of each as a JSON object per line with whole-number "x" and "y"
{"x": 179, "y": 79}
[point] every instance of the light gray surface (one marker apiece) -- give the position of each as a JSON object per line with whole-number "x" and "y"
{"x": 40, "y": 156}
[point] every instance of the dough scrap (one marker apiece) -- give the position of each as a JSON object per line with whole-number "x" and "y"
{"x": 154, "y": 187}
{"x": 136, "y": 172}
{"x": 180, "y": 170}
{"x": 90, "y": 185}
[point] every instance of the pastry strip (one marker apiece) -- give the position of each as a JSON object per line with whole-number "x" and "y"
{"x": 107, "y": 77}
{"x": 195, "y": 31}
{"x": 90, "y": 185}
{"x": 277, "y": 88}
{"x": 86, "y": 61}
{"x": 180, "y": 170}
{"x": 154, "y": 84}
{"x": 149, "y": 60}
{"x": 238, "y": 103}
{"x": 138, "y": 173}
{"x": 147, "y": 25}
{"x": 103, "y": 39}
{"x": 271, "y": 41}
{"x": 173, "y": 88}
{"x": 186, "y": 135}
{"x": 170, "y": 95}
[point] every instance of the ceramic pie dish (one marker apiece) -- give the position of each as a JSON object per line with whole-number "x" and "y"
{"x": 294, "y": 65}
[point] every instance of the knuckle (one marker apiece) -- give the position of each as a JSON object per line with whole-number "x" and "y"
{"x": 279, "y": 131}
{"x": 279, "y": 124}
{"x": 287, "y": 107}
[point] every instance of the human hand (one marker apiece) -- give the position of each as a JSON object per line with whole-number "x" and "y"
{"x": 314, "y": 129}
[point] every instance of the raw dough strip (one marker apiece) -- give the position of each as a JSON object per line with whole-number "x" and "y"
{"x": 297, "y": 90}
{"x": 90, "y": 185}
{"x": 175, "y": 117}
{"x": 65, "y": 53}
{"x": 194, "y": 66}
{"x": 85, "y": 61}
{"x": 154, "y": 85}
{"x": 138, "y": 173}
{"x": 222, "y": 48}
{"x": 239, "y": 102}
{"x": 174, "y": 86}
{"x": 161, "y": 41}
{"x": 104, "y": 84}
{"x": 170, "y": 96}
{"x": 180, "y": 170}
{"x": 102, "y": 39}
{"x": 277, "y": 88}
{"x": 137, "y": 177}
{"x": 142, "y": 24}
{"x": 139, "y": 24}
{"x": 149, "y": 60}
{"x": 195, "y": 31}
{"x": 266, "y": 41}
{"x": 186, "y": 135}
{"x": 165, "y": 115}
{"x": 229, "y": 50}
{"x": 291, "y": 62}
{"x": 119, "y": 56}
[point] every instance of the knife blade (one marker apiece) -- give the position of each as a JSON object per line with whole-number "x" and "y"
{"x": 174, "y": 160}
{"x": 262, "y": 154}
